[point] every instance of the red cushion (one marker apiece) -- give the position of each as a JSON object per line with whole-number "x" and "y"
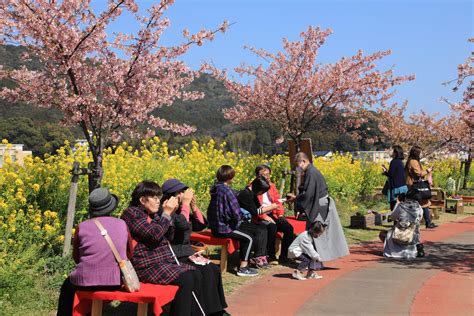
{"x": 207, "y": 238}
{"x": 149, "y": 293}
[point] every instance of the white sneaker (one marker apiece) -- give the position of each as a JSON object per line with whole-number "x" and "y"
{"x": 297, "y": 274}
{"x": 313, "y": 275}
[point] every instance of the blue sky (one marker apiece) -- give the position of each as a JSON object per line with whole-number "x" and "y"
{"x": 427, "y": 38}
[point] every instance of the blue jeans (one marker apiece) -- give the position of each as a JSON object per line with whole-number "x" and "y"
{"x": 307, "y": 262}
{"x": 426, "y": 216}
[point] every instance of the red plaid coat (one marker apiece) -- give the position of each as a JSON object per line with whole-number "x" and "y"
{"x": 152, "y": 257}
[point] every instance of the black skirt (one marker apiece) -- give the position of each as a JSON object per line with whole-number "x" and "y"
{"x": 212, "y": 288}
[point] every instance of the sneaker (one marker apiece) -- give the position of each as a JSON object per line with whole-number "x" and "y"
{"x": 246, "y": 272}
{"x": 272, "y": 260}
{"x": 431, "y": 225}
{"x": 313, "y": 275}
{"x": 297, "y": 274}
{"x": 259, "y": 262}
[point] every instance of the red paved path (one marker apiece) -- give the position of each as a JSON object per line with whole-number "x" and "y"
{"x": 278, "y": 294}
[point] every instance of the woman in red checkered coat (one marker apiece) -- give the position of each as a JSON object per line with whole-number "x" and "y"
{"x": 152, "y": 257}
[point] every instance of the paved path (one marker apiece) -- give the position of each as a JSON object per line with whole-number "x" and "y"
{"x": 365, "y": 283}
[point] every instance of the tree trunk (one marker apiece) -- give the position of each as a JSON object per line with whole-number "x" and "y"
{"x": 467, "y": 167}
{"x": 95, "y": 175}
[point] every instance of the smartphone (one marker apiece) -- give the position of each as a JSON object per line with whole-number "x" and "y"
{"x": 282, "y": 200}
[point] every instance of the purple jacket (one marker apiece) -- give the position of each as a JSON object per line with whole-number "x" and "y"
{"x": 223, "y": 213}
{"x": 97, "y": 265}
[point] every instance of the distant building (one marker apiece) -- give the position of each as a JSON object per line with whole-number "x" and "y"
{"x": 15, "y": 151}
{"x": 372, "y": 155}
{"x": 81, "y": 142}
{"x": 323, "y": 153}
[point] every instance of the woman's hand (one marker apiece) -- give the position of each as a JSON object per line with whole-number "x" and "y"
{"x": 170, "y": 205}
{"x": 269, "y": 219}
{"x": 290, "y": 197}
{"x": 384, "y": 169}
{"x": 187, "y": 196}
{"x": 193, "y": 203}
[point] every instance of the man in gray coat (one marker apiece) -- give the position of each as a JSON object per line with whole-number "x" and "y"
{"x": 313, "y": 199}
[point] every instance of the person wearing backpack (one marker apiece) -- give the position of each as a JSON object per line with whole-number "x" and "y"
{"x": 403, "y": 239}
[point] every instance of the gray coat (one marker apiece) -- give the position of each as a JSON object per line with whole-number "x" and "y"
{"x": 409, "y": 211}
{"x": 314, "y": 188}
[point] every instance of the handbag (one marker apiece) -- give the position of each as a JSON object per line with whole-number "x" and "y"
{"x": 423, "y": 190}
{"x": 129, "y": 275}
{"x": 403, "y": 233}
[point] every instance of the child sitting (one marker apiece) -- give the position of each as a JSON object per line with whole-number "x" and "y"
{"x": 303, "y": 248}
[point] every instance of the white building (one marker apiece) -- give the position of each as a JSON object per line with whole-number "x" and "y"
{"x": 15, "y": 151}
{"x": 372, "y": 155}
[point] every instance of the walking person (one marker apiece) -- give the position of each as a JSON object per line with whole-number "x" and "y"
{"x": 415, "y": 172}
{"x": 395, "y": 176}
{"x": 313, "y": 200}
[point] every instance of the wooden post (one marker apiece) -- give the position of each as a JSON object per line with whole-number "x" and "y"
{"x": 96, "y": 308}
{"x": 71, "y": 208}
{"x": 142, "y": 309}
{"x": 223, "y": 258}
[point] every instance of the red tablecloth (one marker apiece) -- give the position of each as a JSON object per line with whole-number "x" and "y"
{"x": 298, "y": 226}
{"x": 149, "y": 293}
{"x": 207, "y": 238}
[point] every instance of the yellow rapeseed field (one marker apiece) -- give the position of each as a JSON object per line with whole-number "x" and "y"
{"x": 34, "y": 197}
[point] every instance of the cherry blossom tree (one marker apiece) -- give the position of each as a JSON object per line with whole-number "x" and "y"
{"x": 432, "y": 132}
{"x": 295, "y": 91}
{"x": 107, "y": 84}
{"x": 465, "y": 109}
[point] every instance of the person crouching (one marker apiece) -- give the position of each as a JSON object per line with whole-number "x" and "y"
{"x": 304, "y": 249}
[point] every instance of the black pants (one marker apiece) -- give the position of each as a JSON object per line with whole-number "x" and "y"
{"x": 184, "y": 303}
{"x": 251, "y": 237}
{"x": 392, "y": 205}
{"x": 213, "y": 298}
{"x": 281, "y": 225}
{"x": 66, "y": 295}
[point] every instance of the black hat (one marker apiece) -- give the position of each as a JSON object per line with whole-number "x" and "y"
{"x": 172, "y": 186}
{"x": 102, "y": 202}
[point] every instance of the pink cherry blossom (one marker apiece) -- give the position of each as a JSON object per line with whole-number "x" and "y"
{"x": 107, "y": 84}
{"x": 295, "y": 91}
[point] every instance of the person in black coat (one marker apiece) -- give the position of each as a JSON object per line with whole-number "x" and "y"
{"x": 179, "y": 235}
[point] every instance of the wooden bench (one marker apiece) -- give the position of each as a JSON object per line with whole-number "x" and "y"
{"x": 228, "y": 246}
{"x": 468, "y": 200}
{"x": 86, "y": 302}
{"x": 455, "y": 206}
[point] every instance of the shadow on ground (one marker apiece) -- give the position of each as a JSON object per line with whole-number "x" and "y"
{"x": 448, "y": 257}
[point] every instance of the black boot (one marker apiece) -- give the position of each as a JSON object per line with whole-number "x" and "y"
{"x": 421, "y": 251}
